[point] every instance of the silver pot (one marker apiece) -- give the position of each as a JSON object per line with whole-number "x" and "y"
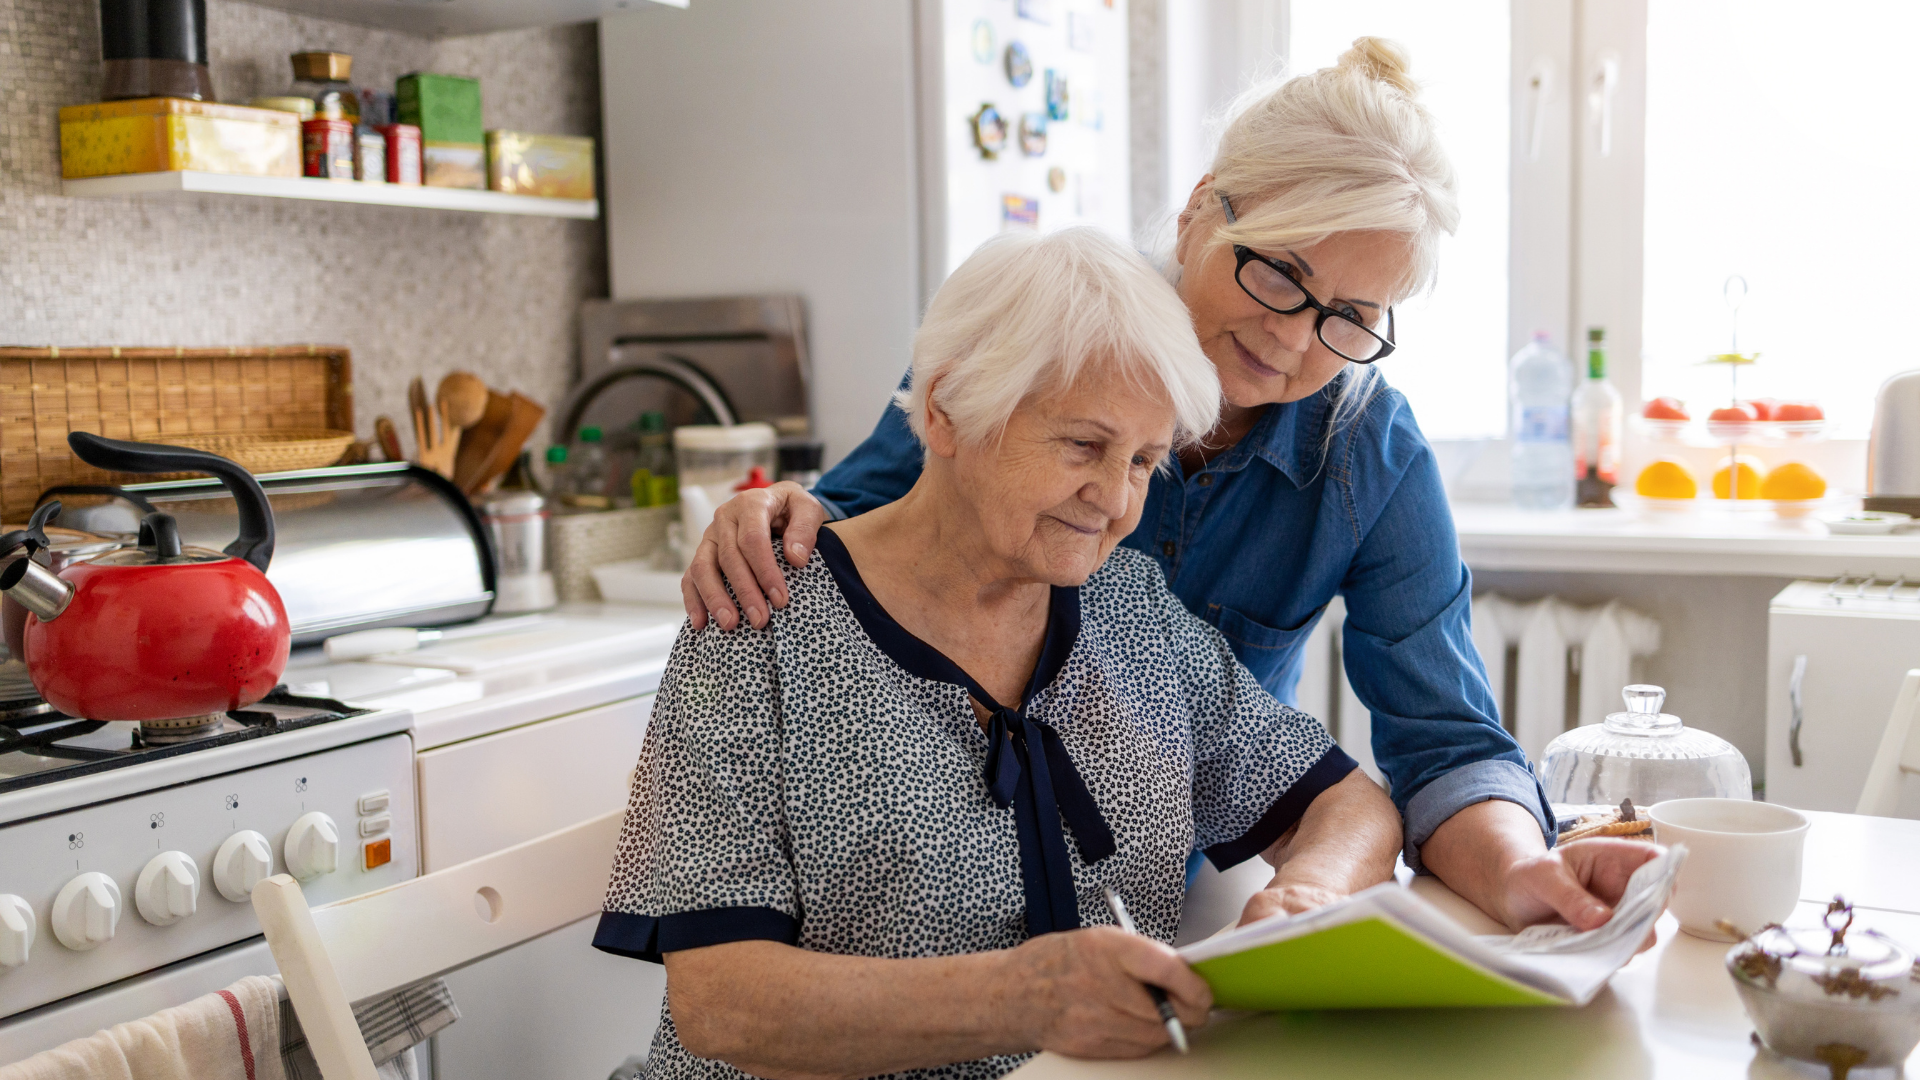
{"x": 1843, "y": 999}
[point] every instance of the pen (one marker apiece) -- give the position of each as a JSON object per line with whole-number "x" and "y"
{"x": 1175, "y": 1030}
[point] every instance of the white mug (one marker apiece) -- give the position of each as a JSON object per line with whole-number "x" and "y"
{"x": 1743, "y": 862}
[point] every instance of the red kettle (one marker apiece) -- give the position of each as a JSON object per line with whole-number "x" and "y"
{"x": 167, "y": 635}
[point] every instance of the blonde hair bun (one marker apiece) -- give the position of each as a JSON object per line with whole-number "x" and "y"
{"x": 1381, "y": 60}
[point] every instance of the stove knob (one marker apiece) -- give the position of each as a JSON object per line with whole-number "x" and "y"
{"x": 313, "y": 846}
{"x": 168, "y": 889}
{"x": 242, "y": 862}
{"x": 86, "y": 911}
{"x": 16, "y": 930}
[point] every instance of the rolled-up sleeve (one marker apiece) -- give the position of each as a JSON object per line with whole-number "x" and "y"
{"x": 704, "y": 856}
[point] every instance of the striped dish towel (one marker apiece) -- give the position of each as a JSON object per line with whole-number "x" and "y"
{"x": 392, "y": 1025}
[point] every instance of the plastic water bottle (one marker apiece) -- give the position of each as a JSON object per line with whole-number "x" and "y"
{"x": 1540, "y": 390}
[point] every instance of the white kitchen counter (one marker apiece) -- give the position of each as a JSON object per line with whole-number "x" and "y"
{"x": 1501, "y": 537}
{"x": 586, "y": 655}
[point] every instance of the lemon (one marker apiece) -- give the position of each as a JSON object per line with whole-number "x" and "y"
{"x": 1666, "y": 480}
{"x": 1749, "y": 478}
{"x": 1792, "y": 481}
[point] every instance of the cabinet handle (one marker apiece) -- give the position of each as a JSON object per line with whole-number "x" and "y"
{"x": 1793, "y": 696}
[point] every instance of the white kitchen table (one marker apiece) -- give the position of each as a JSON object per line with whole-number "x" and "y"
{"x": 1670, "y": 1013}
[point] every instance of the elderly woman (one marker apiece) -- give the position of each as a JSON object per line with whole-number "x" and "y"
{"x": 1323, "y": 209}
{"x": 873, "y": 835}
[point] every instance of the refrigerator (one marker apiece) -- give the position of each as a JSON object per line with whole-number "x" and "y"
{"x": 854, "y": 152}
{"x": 1837, "y": 652}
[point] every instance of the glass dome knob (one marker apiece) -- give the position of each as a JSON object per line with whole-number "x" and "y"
{"x": 1643, "y": 715}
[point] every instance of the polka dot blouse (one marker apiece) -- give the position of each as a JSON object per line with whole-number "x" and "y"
{"x": 825, "y": 783}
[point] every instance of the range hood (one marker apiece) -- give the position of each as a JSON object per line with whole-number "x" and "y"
{"x": 451, "y": 18}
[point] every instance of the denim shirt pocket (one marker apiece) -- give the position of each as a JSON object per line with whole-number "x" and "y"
{"x": 1245, "y": 633}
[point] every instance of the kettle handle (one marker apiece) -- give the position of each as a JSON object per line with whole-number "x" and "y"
{"x": 255, "y": 542}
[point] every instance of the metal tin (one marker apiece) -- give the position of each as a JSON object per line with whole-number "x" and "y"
{"x": 403, "y": 153}
{"x": 553, "y": 166}
{"x": 328, "y": 146}
{"x": 114, "y": 138}
{"x": 1845, "y": 1002}
{"x": 370, "y": 156}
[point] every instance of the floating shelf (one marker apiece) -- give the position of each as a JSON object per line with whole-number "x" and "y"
{"x": 346, "y": 191}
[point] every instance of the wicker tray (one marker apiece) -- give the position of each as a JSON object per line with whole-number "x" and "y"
{"x": 155, "y": 395}
{"x": 268, "y": 451}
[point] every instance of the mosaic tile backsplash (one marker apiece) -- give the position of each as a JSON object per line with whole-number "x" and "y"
{"x": 410, "y": 291}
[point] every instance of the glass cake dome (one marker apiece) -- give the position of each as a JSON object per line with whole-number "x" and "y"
{"x": 1641, "y": 754}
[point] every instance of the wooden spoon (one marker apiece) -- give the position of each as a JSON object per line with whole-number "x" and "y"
{"x": 465, "y": 398}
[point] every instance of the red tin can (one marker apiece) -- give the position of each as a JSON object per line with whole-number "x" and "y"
{"x": 403, "y": 153}
{"x": 329, "y": 148}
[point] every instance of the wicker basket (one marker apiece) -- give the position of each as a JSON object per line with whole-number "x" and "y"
{"x": 580, "y": 542}
{"x": 154, "y": 395}
{"x": 268, "y": 451}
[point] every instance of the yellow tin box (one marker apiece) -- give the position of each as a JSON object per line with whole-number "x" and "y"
{"x": 111, "y": 138}
{"x": 555, "y": 166}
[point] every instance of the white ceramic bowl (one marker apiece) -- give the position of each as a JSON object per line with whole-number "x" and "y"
{"x": 1743, "y": 862}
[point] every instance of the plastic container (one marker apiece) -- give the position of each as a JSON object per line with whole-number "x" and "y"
{"x": 1641, "y": 754}
{"x": 1540, "y": 387}
{"x": 583, "y": 486}
{"x": 718, "y": 457}
{"x": 654, "y": 480}
{"x": 714, "y": 460}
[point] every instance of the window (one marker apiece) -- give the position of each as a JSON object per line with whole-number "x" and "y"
{"x": 1774, "y": 151}
{"x": 1451, "y": 363}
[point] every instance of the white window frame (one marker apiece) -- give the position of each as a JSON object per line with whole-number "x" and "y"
{"x": 1579, "y": 178}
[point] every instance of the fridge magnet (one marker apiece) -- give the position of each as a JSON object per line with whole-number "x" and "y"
{"x": 1040, "y": 11}
{"x": 1019, "y": 212}
{"x": 1079, "y": 31}
{"x": 1091, "y": 113}
{"x": 1056, "y": 179}
{"x": 1033, "y": 134}
{"x": 1019, "y": 64}
{"x": 983, "y": 41}
{"x": 989, "y": 131}
{"x": 1056, "y": 94}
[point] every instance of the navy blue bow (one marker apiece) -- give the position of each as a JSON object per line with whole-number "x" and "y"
{"x": 1043, "y": 788}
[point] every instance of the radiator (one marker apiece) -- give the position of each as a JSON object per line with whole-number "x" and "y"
{"x": 1567, "y": 666}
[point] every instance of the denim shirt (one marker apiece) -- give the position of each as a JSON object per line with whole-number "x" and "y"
{"x": 1260, "y": 540}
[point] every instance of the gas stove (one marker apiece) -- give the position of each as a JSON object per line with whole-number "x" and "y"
{"x": 41, "y": 746}
{"x": 121, "y": 853}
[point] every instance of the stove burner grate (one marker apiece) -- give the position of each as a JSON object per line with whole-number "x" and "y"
{"x": 61, "y": 748}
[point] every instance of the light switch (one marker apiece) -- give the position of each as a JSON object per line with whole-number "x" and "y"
{"x": 375, "y": 825}
{"x": 374, "y": 801}
{"x": 379, "y": 852}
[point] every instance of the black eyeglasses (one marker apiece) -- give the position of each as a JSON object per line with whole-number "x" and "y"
{"x": 1274, "y": 285}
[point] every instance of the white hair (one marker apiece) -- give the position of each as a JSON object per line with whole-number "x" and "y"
{"x": 1029, "y": 314}
{"x": 1346, "y": 148}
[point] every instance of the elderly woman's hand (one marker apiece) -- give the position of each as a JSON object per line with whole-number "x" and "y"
{"x": 1086, "y": 992}
{"x": 738, "y": 548}
{"x": 1287, "y": 899}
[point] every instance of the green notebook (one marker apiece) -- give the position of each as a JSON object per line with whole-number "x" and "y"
{"x": 1386, "y": 948}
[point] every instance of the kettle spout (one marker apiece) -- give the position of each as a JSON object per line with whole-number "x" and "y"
{"x": 36, "y": 588}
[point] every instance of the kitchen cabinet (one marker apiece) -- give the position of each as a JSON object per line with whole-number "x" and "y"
{"x": 492, "y": 792}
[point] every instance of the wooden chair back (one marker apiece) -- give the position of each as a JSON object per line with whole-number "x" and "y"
{"x": 1899, "y": 752}
{"x": 339, "y": 953}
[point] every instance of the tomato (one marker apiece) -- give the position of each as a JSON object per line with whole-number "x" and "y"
{"x": 1763, "y": 408}
{"x": 1734, "y": 414}
{"x": 1798, "y": 412}
{"x": 1666, "y": 408}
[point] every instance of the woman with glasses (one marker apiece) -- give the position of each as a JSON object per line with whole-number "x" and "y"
{"x": 1323, "y": 208}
